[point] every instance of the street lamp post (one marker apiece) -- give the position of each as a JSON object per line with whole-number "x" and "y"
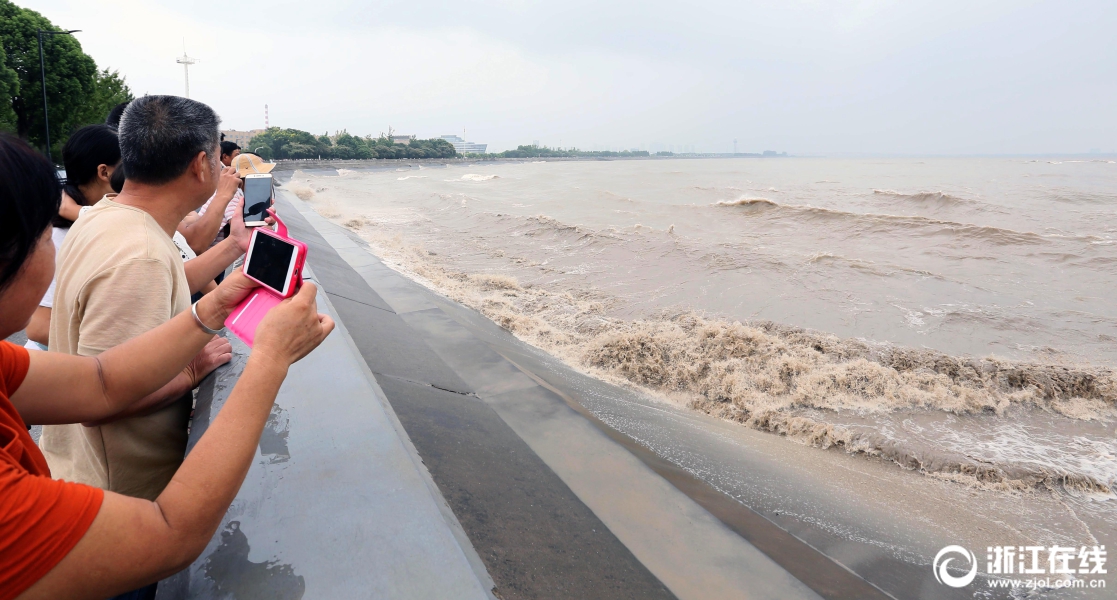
{"x": 43, "y": 73}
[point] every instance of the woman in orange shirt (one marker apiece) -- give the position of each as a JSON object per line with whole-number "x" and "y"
{"x": 66, "y": 540}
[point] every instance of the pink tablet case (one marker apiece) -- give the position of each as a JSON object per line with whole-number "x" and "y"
{"x": 247, "y": 315}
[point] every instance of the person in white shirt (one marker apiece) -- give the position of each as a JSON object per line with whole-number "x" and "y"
{"x": 91, "y": 156}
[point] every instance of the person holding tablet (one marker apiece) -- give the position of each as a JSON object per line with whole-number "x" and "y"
{"x": 69, "y": 540}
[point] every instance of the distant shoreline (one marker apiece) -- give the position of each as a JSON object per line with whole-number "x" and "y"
{"x": 386, "y": 163}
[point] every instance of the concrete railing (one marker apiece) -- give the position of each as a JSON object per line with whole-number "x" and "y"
{"x": 336, "y": 504}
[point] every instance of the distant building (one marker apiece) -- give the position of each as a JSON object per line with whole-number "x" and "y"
{"x": 464, "y": 147}
{"x": 774, "y": 153}
{"x": 402, "y": 139}
{"x": 241, "y": 138}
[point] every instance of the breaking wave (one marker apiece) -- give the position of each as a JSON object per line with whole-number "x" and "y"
{"x": 791, "y": 381}
{"x": 995, "y": 235}
{"x": 882, "y": 269}
{"x": 938, "y": 198}
{"x": 1003, "y": 424}
{"x": 300, "y": 189}
{"x": 747, "y": 202}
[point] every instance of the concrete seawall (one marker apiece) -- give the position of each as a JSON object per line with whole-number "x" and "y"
{"x": 336, "y": 503}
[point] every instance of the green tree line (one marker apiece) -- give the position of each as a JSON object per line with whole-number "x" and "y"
{"x": 281, "y": 143}
{"x": 78, "y": 93}
{"x": 534, "y": 151}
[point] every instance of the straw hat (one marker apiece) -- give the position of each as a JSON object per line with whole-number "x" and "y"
{"x": 247, "y": 164}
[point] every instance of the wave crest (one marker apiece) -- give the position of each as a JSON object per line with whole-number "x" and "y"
{"x": 747, "y": 202}
{"x": 939, "y": 198}
{"x": 995, "y": 235}
{"x": 769, "y": 366}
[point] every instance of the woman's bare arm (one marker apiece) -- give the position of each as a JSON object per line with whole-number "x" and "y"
{"x": 200, "y": 232}
{"x": 61, "y": 388}
{"x": 38, "y": 330}
{"x": 69, "y": 209}
{"x": 213, "y": 262}
{"x": 201, "y": 270}
{"x": 134, "y": 542}
{"x": 216, "y": 353}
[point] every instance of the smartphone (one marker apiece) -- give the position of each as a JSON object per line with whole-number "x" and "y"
{"x": 257, "y": 198}
{"x": 275, "y": 262}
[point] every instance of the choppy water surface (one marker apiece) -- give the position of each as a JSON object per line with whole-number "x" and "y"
{"x": 959, "y": 312}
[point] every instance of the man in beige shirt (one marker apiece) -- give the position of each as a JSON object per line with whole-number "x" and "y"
{"x": 120, "y": 275}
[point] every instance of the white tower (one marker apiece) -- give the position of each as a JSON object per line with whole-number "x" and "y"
{"x": 186, "y": 61}
{"x": 266, "y": 116}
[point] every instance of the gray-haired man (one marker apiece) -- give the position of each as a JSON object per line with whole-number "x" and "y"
{"x": 120, "y": 275}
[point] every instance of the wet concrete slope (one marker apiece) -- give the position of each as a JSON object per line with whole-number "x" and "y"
{"x": 534, "y": 535}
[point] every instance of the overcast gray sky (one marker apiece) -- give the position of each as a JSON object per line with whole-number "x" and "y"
{"x": 804, "y": 76}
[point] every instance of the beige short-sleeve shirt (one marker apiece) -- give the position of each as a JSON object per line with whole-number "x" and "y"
{"x": 119, "y": 275}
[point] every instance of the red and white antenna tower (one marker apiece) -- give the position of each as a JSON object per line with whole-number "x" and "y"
{"x": 265, "y": 116}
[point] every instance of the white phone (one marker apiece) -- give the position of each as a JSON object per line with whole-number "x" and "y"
{"x": 257, "y": 198}
{"x": 274, "y": 261}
